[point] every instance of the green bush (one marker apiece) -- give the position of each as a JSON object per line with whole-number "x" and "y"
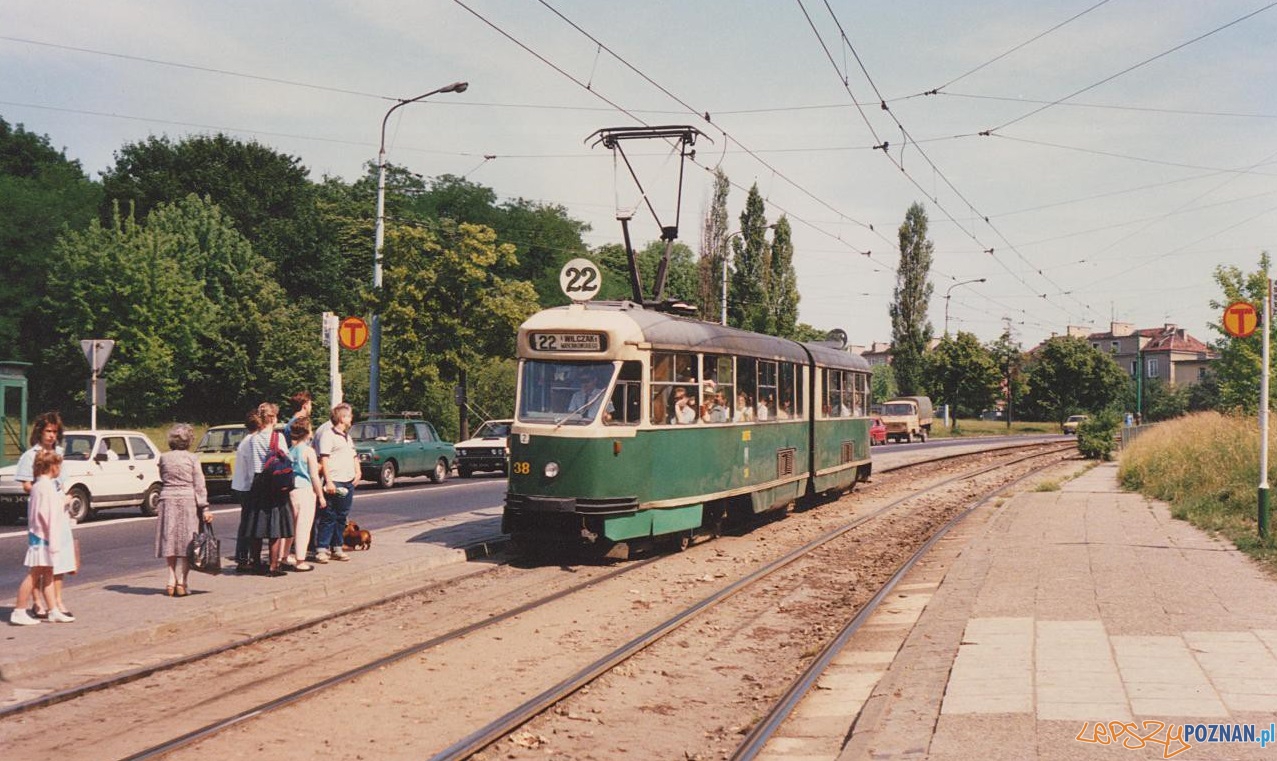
{"x": 1096, "y": 436}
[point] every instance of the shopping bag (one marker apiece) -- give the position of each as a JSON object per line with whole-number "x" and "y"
{"x": 205, "y": 552}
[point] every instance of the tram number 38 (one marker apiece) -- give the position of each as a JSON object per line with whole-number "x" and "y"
{"x": 521, "y": 468}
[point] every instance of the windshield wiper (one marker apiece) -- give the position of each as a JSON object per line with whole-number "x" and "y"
{"x": 558, "y": 423}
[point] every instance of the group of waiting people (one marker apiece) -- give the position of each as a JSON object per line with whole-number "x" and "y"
{"x": 325, "y": 470}
{"x": 306, "y": 524}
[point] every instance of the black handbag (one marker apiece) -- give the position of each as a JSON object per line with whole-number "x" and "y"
{"x": 205, "y": 552}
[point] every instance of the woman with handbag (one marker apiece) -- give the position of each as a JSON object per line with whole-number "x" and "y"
{"x": 272, "y": 517}
{"x": 183, "y": 505}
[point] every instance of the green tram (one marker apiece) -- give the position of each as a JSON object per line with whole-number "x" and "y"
{"x": 634, "y": 424}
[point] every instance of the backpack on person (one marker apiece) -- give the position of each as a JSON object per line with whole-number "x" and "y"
{"x": 277, "y": 470}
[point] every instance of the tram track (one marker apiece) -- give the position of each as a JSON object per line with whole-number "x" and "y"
{"x": 505, "y": 725}
{"x": 295, "y": 696}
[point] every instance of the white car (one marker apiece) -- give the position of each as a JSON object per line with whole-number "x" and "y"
{"x": 100, "y": 470}
{"x": 486, "y": 450}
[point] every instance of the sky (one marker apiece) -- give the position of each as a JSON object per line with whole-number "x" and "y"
{"x": 1129, "y": 147}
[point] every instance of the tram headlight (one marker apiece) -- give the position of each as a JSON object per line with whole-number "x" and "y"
{"x": 551, "y": 470}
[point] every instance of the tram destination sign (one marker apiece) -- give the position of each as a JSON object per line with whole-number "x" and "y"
{"x": 567, "y": 341}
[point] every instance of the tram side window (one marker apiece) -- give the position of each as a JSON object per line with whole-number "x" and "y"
{"x": 830, "y": 399}
{"x": 675, "y": 377}
{"x": 862, "y": 394}
{"x": 787, "y": 402}
{"x": 717, "y": 392}
{"x": 767, "y": 390}
{"x": 746, "y": 390}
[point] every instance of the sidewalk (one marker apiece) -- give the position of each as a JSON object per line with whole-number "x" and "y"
{"x": 1060, "y": 608}
{"x": 127, "y": 621}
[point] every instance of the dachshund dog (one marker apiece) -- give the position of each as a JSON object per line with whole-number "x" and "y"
{"x": 355, "y": 538}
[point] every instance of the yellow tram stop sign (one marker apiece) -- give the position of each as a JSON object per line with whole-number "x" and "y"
{"x": 1240, "y": 319}
{"x": 352, "y": 333}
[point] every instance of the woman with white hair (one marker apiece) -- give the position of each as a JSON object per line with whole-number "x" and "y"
{"x": 183, "y": 504}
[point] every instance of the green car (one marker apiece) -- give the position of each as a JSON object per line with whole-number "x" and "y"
{"x": 392, "y": 447}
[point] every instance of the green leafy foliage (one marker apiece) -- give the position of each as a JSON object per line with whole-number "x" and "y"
{"x": 201, "y": 328}
{"x": 962, "y": 373}
{"x": 445, "y": 310}
{"x": 266, "y": 194}
{"x": 41, "y": 193}
{"x": 747, "y": 302}
{"x": 910, "y": 329}
{"x": 883, "y": 383}
{"x": 782, "y": 282}
{"x": 681, "y": 278}
{"x": 1240, "y": 359}
{"x": 1066, "y": 375}
{"x": 1097, "y": 435}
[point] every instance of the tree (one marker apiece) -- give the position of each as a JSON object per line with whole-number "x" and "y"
{"x": 445, "y": 311}
{"x": 266, "y": 194}
{"x": 1009, "y": 358}
{"x": 43, "y": 192}
{"x": 200, "y": 325}
{"x": 681, "y": 279}
{"x": 883, "y": 383}
{"x": 782, "y": 296}
{"x": 910, "y": 329}
{"x": 962, "y": 373}
{"x": 1163, "y": 401}
{"x": 713, "y": 251}
{"x": 1204, "y": 394}
{"x": 747, "y": 303}
{"x": 1066, "y": 375}
{"x": 1240, "y": 359}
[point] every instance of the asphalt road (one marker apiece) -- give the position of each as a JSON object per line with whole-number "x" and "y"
{"x": 121, "y": 541}
{"x": 118, "y": 542}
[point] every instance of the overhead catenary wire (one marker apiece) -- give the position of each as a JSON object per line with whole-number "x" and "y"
{"x": 922, "y": 153}
{"x": 1131, "y": 68}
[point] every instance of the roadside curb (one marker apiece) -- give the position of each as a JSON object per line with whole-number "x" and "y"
{"x": 263, "y": 612}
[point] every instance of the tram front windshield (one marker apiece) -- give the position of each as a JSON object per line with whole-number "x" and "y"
{"x": 564, "y": 393}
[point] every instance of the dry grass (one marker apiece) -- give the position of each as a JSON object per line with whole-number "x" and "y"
{"x": 1207, "y": 467}
{"x": 1047, "y": 486}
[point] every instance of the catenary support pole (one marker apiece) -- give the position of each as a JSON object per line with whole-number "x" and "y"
{"x": 1263, "y": 411}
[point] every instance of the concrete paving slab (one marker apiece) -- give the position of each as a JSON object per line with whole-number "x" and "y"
{"x": 1135, "y": 617}
{"x": 127, "y": 621}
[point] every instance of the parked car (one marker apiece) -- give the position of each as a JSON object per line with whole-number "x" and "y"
{"x": 216, "y": 451}
{"x": 1070, "y": 425}
{"x": 877, "y": 431}
{"x": 486, "y": 450}
{"x": 100, "y": 470}
{"x": 392, "y": 447}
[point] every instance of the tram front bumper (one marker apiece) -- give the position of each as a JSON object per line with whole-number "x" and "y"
{"x": 563, "y": 517}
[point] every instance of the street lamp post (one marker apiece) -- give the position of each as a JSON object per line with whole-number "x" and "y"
{"x": 946, "y": 299}
{"x": 722, "y": 318}
{"x": 374, "y": 373}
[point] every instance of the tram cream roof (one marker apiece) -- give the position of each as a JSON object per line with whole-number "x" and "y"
{"x": 626, "y": 321}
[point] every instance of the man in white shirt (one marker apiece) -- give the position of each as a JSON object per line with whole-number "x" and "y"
{"x": 339, "y": 467}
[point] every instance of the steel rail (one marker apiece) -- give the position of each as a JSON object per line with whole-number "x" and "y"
{"x": 757, "y": 738}
{"x": 132, "y": 675}
{"x": 503, "y": 725}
